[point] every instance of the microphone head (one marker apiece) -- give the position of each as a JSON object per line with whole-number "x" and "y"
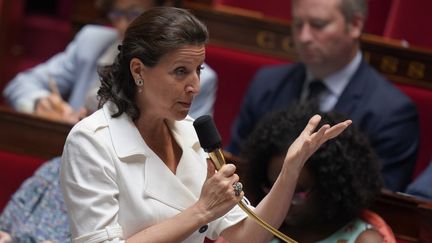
{"x": 207, "y": 132}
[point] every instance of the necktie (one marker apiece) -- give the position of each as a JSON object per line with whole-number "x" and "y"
{"x": 316, "y": 87}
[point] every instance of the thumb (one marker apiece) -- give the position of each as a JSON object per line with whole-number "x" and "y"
{"x": 211, "y": 170}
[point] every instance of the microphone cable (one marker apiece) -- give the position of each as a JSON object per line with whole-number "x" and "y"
{"x": 210, "y": 141}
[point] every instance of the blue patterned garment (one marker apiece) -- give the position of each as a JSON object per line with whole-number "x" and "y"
{"x": 36, "y": 212}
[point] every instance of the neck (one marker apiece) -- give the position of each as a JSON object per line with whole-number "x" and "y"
{"x": 323, "y": 71}
{"x": 157, "y": 135}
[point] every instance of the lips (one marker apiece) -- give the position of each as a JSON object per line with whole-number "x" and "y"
{"x": 185, "y": 104}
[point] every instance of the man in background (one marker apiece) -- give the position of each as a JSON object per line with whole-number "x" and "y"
{"x": 333, "y": 73}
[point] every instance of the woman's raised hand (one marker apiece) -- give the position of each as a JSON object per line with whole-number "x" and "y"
{"x": 309, "y": 141}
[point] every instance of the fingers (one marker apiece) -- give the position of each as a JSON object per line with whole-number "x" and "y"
{"x": 211, "y": 170}
{"x": 44, "y": 105}
{"x": 227, "y": 170}
{"x": 51, "y": 103}
{"x": 312, "y": 124}
{"x": 54, "y": 108}
{"x": 82, "y": 113}
{"x": 317, "y": 136}
{"x": 5, "y": 237}
{"x": 228, "y": 177}
{"x": 218, "y": 194}
{"x": 337, "y": 129}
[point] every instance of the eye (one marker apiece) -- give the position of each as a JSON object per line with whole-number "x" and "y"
{"x": 318, "y": 24}
{"x": 180, "y": 72}
{"x": 297, "y": 24}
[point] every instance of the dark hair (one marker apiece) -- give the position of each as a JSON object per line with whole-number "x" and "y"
{"x": 107, "y": 5}
{"x": 345, "y": 168}
{"x": 150, "y": 36}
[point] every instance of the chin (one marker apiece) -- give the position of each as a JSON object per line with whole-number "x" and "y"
{"x": 181, "y": 115}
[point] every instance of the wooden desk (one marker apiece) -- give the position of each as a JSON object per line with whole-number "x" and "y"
{"x": 410, "y": 218}
{"x": 272, "y": 37}
{"x": 26, "y": 134}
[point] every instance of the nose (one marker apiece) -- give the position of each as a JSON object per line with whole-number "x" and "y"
{"x": 193, "y": 85}
{"x": 304, "y": 33}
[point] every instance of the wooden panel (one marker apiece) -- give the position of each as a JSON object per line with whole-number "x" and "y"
{"x": 272, "y": 37}
{"x": 248, "y": 31}
{"x": 410, "y": 218}
{"x": 26, "y": 134}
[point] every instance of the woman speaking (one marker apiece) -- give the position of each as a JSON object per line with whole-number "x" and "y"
{"x": 134, "y": 171}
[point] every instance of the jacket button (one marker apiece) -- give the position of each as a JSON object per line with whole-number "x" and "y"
{"x": 203, "y": 229}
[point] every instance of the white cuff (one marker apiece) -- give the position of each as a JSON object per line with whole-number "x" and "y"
{"x": 112, "y": 233}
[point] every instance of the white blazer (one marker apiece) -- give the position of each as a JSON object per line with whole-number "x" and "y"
{"x": 115, "y": 185}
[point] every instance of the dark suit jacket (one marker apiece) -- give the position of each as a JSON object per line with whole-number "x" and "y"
{"x": 379, "y": 109}
{"x": 421, "y": 186}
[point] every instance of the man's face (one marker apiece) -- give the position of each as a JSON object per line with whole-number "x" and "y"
{"x": 325, "y": 41}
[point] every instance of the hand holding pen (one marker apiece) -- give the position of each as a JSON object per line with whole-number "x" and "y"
{"x": 53, "y": 107}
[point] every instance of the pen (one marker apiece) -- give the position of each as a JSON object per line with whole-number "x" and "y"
{"x": 57, "y": 103}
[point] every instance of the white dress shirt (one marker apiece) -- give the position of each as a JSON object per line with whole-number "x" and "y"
{"x": 335, "y": 84}
{"x": 116, "y": 186}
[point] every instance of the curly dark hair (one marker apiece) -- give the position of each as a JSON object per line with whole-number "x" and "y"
{"x": 150, "y": 36}
{"x": 346, "y": 168}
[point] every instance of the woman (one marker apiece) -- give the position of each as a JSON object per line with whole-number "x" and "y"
{"x": 133, "y": 171}
{"x": 36, "y": 212}
{"x": 336, "y": 184}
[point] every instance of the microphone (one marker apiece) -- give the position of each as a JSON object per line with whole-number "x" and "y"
{"x": 210, "y": 141}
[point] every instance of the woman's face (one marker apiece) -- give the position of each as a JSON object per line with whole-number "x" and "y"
{"x": 170, "y": 86}
{"x": 304, "y": 207}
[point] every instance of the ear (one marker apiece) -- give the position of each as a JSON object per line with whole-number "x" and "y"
{"x": 136, "y": 68}
{"x": 355, "y": 27}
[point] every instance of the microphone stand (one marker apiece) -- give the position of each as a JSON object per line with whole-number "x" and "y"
{"x": 210, "y": 141}
{"x": 218, "y": 160}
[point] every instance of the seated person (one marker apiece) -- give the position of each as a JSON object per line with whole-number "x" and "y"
{"x": 64, "y": 87}
{"x": 36, "y": 212}
{"x": 422, "y": 185}
{"x": 337, "y": 182}
{"x": 333, "y": 72}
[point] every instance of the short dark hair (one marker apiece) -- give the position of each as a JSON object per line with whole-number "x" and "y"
{"x": 150, "y": 36}
{"x": 346, "y": 168}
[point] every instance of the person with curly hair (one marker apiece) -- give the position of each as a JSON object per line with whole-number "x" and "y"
{"x": 333, "y": 72}
{"x": 337, "y": 182}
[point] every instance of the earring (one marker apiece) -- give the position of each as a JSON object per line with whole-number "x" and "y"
{"x": 139, "y": 82}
